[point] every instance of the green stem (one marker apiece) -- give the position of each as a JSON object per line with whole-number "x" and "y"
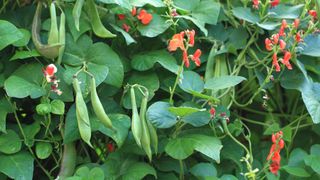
{"x": 176, "y": 83}
{"x": 181, "y": 174}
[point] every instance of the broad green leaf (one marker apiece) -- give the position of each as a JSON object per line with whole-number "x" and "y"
{"x": 228, "y": 177}
{"x": 314, "y": 162}
{"x": 5, "y": 108}
{"x": 127, "y": 36}
{"x": 96, "y": 173}
{"x": 120, "y": 122}
{"x": 157, "y": 26}
{"x": 181, "y": 4}
{"x": 122, "y": 3}
{"x": 269, "y": 25}
{"x": 26, "y": 35}
{"x": 145, "y": 61}
{"x": 149, "y": 80}
{"x": 25, "y": 81}
{"x": 207, "y": 11}
{"x": 311, "y": 45}
{"x": 246, "y": 14}
{"x": 296, "y": 171}
{"x": 25, "y": 55}
{"x": 30, "y": 132}
{"x": 200, "y": 24}
{"x": 297, "y": 157}
{"x": 311, "y": 99}
{"x": 160, "y": 116}
{"x": 183, "y": 111}
{"x": 57, "y": 107}
{"x": 203, "y": 170}
{"x": 182, "y": 147}
{"x": 273, "y": 128}
{"x": 283, "y": 11}
{"x": 8, "y": 34}
{"x": 17, "y": 166}
{"x": 140, "y": 3}
{"x": 223, "y": 82}
{"x": 84, "y": 25}
{"x": 197, "y": 119}
{"x": 138, "y": 171}
{"x": 43, "y": 150}
{"x": 315, "y": 149}
{"x": 10, "y": 142}
{"x": 191, "y": 81}
{"x": 287, "y": 134}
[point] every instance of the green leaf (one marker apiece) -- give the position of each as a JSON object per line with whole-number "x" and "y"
{"x": 311, "y": 99}
{"x": 43, "y": 150}
{"x": 10, "y": 142}
{"x": 314, "y": 162}
{"x": 26, "y": 35}
{"x": 272, "y": 129}
{"x": 200, "y": 24}
{"x": 223, "y": 82}
{"x": 8, "y": 34}
{"x": 297, "y": 157}
{"x": 30, "y": 132}
{"x": 311, "y": 45}
{"x": 96, "y": 173}
{"x": 157, "y": 26}
{"x": 296, "y": 171}
{"x": 140, "y": 3}
{"x": 207, "y": 11}
{"x": 191, "y": 81}
{"x": 138, "y": 171}
{"x": 197, "y": 119}
{"x": 17, "y": 166}
{"x": 57, "y": 107}
{"x": 28, "y": 78}
{"x": 145, "y": 61}
{"x": 127, "y": 36}
{"x": 287, "y": 133}
{"x": 283, "y": 11}
{"x": 203, "y": 170}
{"x": 246, "y": 14}
{"x": 183, "y": 111}
{"x": 122, "y": 3}
{"x": 182, "y": 147}
{"x": 25, "y": 55}
{"x": 268, "y": 25}
{"x": 149, "y": 80}
{"x": 160, "y": 116}
{"x": 5, "y": 108}
{"x": 84, "y": 25}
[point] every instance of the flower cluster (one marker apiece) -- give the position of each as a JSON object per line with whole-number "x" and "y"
{"x": 274, "y": 3}
{"x": 274, "y": 154}
{"x": 277, "y": 42}
{"x": 49, "y": 74}
{"x": 179, "y": 41}
{"x": 144, "y": 17}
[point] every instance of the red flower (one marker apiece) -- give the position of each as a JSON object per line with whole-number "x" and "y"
{"x": 176, "y": 42}
{"x": 121, "y": 16}
{"x": 282, "y": 44}
{"x": 144, "y": 17}
{"x": 296, "y": 23}
{"x": 196, "y": 57}
{"x": 275, "y": 38}
{"x": 268, "y": 44}
{"x": 212, "y": 112}
{"x": 51, "y": 69}
{"x": 275, "y": 62}
{"x": 313, "y": 13}
{"x": 281, "y": 31}
{"x": 255, "y": 4}
{"x": 191, "y": 34}
{"x": 298, "y": 37}
{"x": 274, "y": 154}
{"x": 110, "y": 147}
{"x": 284, "y": 23}
{"x": 134, "y": 11}
{"x": 126, "y": 27}
{"x": 274, "y": 3}
{"x": 185, "y": 58}
{"x": 49, "y": 74}
{"x": 286, "y": 60}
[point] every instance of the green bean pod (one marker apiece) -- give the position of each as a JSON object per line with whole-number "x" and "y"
{"x": 145, "y": 139}
{"x": 318, "y": 8}
{"x": 68, "y": 162}
{"x": 82, "y": 114}
{"x": 48, "y": 51}
{"x": 62, "y": 35}
{"x": 97, "y": 26}
{"x": 136, "y": 126}
{"x": 53, "y": 33}
{"x": 153, "y": 136}
{"x": 76, "y": 13}
{"x": 97, "y": 106}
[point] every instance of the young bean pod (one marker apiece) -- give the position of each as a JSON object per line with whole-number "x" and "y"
{"x": 97, "y": 26}
{"x": 136, "y": 126}
{"x": 68, "y": 162}
{"x": 97, "y": 106}
{"x": 53, "y": 33}
{"x": 76, "y": 13}
{"x": 153, "y": 136}
{"x": 82, "y": 114}
{"x": 62, "y": 35}
{"x": 48, "y": 51}
{"x": 145, "y": 138}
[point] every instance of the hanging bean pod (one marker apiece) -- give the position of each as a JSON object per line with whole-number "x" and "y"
{"x": 82, "y": 114}
{"x": 145, "y": 139}
{"x": 76, "y": 13}
{"x": 97, "y": 106}
{"x": 53, "y": 32}
{"x": 136, "y": 126}
{"x": 62, "y": 35}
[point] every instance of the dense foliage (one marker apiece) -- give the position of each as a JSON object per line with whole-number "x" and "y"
{"x": 151, "y": 89}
